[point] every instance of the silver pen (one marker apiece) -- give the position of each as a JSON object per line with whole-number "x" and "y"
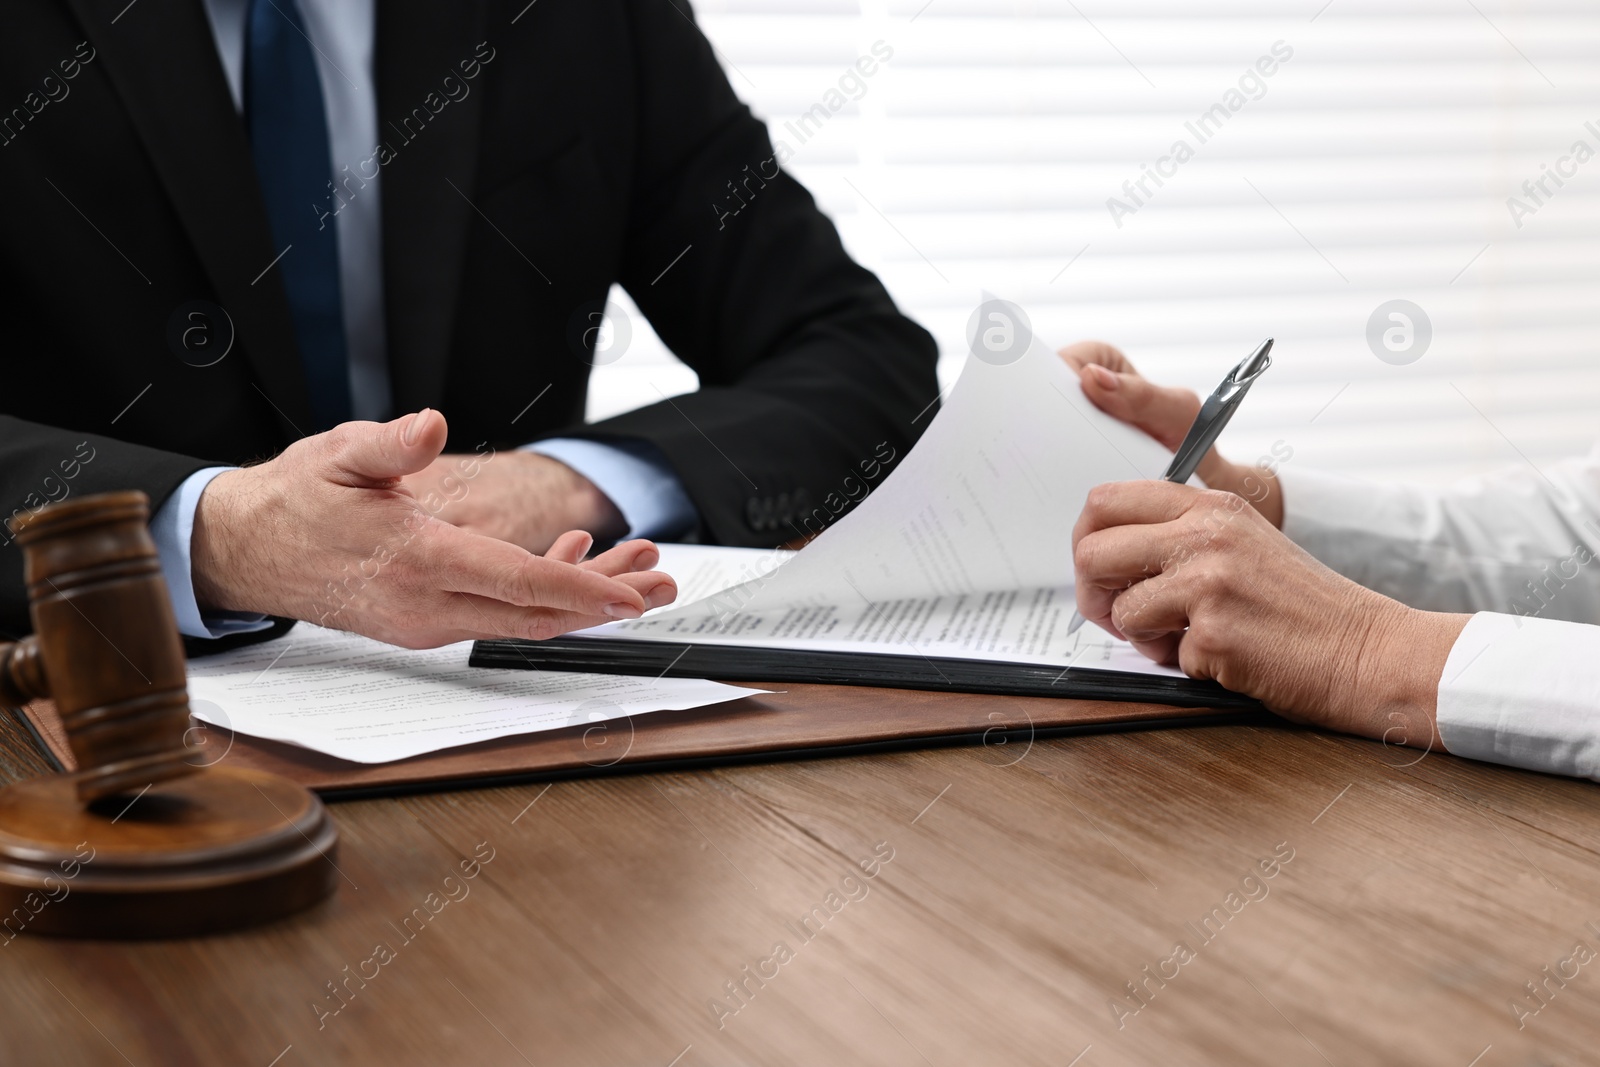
{"x": 1209, "y": 424}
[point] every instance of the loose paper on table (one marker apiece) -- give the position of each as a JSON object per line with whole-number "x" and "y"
{"x": 368, "y": 702}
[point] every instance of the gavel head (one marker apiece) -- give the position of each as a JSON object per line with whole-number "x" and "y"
{"x": 105, "y": 642}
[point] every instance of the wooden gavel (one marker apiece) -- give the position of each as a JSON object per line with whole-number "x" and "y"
{"x": 105, "y": 644}
{"x": 213, "y": 847}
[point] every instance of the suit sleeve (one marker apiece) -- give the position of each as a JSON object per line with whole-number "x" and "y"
{"x": 40, "y": 465}
{"x": 807, "y": 369}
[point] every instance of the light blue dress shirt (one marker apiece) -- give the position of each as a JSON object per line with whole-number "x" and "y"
{"x": 633, "y": 474}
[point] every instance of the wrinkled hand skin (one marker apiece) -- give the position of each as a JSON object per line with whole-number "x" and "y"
{"x": 329, "y": 532}
{"x": 1200, "y": 580}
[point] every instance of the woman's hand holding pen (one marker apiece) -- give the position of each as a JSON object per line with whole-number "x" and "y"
{"x": 1200, "y": 580}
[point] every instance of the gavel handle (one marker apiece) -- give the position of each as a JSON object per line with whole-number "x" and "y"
{"x": 22, "y": 677}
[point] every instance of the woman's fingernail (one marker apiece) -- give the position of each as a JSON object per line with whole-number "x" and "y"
{"x": 414, "y": 427}
{"x": 622, "y": 611}
{"x": 1103, "y": 377}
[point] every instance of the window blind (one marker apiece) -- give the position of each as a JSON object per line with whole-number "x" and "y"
{"x": 1185, "y": 178}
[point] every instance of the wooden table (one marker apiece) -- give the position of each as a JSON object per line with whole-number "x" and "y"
{"x": 1016, "y": 892}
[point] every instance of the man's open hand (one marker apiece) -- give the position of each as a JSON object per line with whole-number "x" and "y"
{"x": 329, "y": 532}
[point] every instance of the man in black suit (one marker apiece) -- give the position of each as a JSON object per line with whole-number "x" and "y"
{"x": 254, "y": 231}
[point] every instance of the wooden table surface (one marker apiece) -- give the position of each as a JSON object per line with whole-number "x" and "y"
{"x": 1016, "y": 892}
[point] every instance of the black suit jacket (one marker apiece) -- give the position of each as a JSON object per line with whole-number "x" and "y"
{"x": 593, "y": 142}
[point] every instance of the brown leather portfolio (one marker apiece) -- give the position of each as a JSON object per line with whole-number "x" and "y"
{"x": 800, "y": 721}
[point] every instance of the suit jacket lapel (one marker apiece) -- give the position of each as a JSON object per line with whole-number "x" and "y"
{"x": 427, "y": 182}
{"x": 163, "y": 61}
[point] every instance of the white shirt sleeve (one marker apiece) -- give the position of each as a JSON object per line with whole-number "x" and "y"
{"x": 1524, "y": 692}
{"x": 1522, "y": 682}
{"x": 1517, "y": 541}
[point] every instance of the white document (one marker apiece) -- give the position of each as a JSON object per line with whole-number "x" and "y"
{"x": 964, "y": 550}
{"x": 368, "y": 702}
{"x": 703, "y": 571}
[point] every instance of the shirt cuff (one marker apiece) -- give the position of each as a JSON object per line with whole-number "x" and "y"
{"x": 636, "y": 477}
{"x": 172, "y": 528}
{"x": 1525, "y": 692}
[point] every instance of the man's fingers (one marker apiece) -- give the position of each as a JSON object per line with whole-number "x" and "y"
{"x": 467, "y": 617}
{"x": 465, "y": 562}
{"x": 571, "y": 547}
{"x": 658, "y": 589}
{"x": 481, "y": 617}
{"x": 372, "y": 454}
{"x": 630, "y": 563}
{"x": 625, "y": 558}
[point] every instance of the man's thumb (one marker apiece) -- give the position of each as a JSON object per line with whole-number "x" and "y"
{"x": 363, "y": 453}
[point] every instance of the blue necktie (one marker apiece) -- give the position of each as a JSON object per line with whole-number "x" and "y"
{"x": 289, "y": 140}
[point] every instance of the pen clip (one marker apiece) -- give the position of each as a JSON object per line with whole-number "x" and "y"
{"x": 1251, "y": 367}
{"x": 1216, "y": 412}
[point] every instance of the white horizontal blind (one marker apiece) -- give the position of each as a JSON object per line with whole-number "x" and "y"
{"x": 1375, "y": 163}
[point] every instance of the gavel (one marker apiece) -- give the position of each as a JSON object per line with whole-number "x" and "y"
{"x": 156, "y": 844}
{"x": 105, "y": 644}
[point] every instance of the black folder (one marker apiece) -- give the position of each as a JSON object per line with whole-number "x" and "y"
{"x": 740, "y": 663}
